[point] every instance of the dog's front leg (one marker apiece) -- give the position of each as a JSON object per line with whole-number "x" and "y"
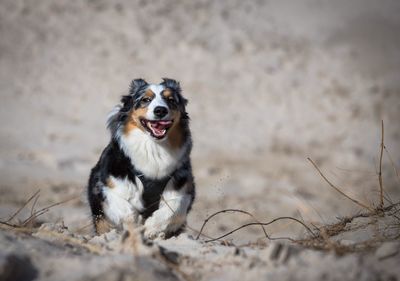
{"x": 172, "y": 212}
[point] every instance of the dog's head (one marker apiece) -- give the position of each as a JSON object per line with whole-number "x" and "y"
{"x": 156, "y": 109}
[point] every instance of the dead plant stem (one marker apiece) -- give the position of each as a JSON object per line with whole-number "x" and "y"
{"x": 337, "y": 189}
{"x": 380, "y": 168}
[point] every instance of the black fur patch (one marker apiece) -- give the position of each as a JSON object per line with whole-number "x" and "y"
{"x": 114, "y": 162}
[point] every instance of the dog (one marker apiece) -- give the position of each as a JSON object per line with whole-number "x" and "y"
{"x": 144, "y": 175}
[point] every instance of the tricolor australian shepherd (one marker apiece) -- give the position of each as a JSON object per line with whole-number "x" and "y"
{"x": 144, "y": 175}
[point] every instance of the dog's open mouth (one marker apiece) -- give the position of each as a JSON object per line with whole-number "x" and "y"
{"x": 157, "y": 128}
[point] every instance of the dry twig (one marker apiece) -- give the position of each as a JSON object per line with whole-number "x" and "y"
{"x": 380, "y": 168}
{"x": 254, "y": 223}
{"x": 337, "y": 189}
{"x": 230, "y": 210}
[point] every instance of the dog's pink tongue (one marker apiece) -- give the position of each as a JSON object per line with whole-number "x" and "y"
{"x": 161, "y": 125}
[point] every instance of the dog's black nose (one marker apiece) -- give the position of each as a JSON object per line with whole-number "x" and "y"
{"x": 160, "y": 111}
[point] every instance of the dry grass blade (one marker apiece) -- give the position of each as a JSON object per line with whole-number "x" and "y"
{"x": 380, "y": 168}
{"x": 44, "y": 210}
{"x": 8, "y": 224}
{"x": 34, "y": 204}
{"x": 392, "y": 163}
{"x": 337, "y": 189}
{"x": 33, "y": 214}
{"x": 35, "y": 195}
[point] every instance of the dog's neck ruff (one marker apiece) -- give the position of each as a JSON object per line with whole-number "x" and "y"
{"x": 154, "y": 159}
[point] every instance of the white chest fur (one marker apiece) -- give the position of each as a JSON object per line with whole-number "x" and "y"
{"x": 155, "y": 159}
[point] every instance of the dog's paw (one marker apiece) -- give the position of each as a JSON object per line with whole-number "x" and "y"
{"x": 161, "y": 226}
{"x": 153, "y": 234}
{"x": 153, "y": 228}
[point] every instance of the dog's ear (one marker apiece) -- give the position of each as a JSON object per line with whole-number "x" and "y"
{"x": 172, "y": 84}
{"x": 114, "y": 119}
{"x": 183, "y": 100}
{"x": 176, "y": 87}
{"x": 137, "y": 85}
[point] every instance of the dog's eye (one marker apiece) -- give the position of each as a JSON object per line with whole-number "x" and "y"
{"x": 171, "y": 100}
{"x": 146, "y": 100}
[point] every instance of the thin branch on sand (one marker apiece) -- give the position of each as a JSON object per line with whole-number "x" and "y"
{"x": 265, "y": 224}
{"x": 380, "y": 168}
{"x": 231, "y": 210}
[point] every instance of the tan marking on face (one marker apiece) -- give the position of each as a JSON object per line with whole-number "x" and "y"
{"x": 133, "y": 121}
{"x": 102, "y": 226}
{"x": 175, "y": 133}
{"x": 167, "y": 93}
{"x": 149, "y": 94}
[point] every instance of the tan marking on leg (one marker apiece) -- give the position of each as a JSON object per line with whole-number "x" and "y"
{"x": 102, "y": 226}
{"x": 110, "y": 183}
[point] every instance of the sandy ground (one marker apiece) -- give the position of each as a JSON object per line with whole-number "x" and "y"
{"x": 270, "y": 83}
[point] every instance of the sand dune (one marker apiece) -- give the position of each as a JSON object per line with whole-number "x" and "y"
{"x": 270, "y": 83}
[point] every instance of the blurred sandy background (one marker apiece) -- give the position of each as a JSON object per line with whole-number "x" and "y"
{"x": 270, "y": 83}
